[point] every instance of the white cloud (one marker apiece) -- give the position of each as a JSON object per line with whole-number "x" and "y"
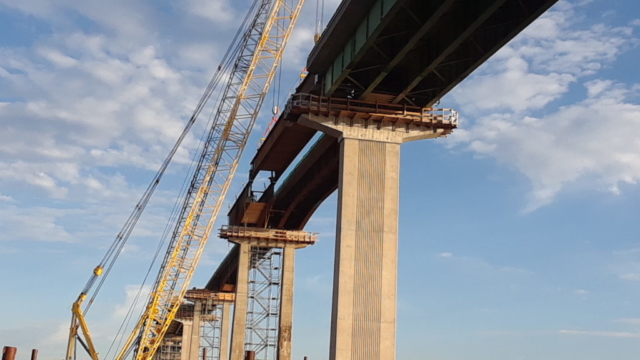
{"x": 596, "y": 87}
{"x": 130, "y": 248}
{"x": 136, "y": 297}
{"x": 499, "y": 333}
{"x": 32, "y": 175}
{"x": 116, "y": 96}
{"x": 580, "y": 142}
{"x": 318, "y": 283}
{"x": 84, "y": 101}
{"x": 540, "y": 64}
{"x": 630, "y": 321}
{"x": 59, "y": 336}
{"x": 4, "y": 250}
{"x": 617, "y": 334}
{"x": 515, "y": 89}
{"x": 35, "y": 224}
{"x": 56, "y": 57}
{"x": 126, "y": 19}
{"x": 624, "y": 265}
{"x": 589, "y": 144}
{"x": 299, "y": 46}
{"x": 627, "y": 251}
{"x": 219, "y": 11}
{"x": 479, "y": 265}
{"x": 630, "y": 276}
{"x": 581, "y": 292}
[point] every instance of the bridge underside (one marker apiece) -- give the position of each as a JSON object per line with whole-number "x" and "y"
{"x": 413, "y": 53}
{"x": 418, "y": 50}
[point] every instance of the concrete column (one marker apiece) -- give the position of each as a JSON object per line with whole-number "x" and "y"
{"x": 224, "y": 331}
{"x": 286, "y": 303}
{"x": 288, "y": 241}
{"x": 192, "y": 346}
{"x": 240, "y": 309}
{"x": 187, "y": 330}
{"x": 363, "y": 321}
{"x": 363, "y": 317}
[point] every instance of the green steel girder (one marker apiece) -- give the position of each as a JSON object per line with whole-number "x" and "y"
{"x": 435, "y": 12}
{"x": 446, "y": 39}
{"x": 500, "y": 27}
{"x": 379, "y": 16}
{"x": 419, "y": 49}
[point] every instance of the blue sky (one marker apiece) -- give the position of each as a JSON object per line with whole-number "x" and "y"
{"x": 518, "y": 233}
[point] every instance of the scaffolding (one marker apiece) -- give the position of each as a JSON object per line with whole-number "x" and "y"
{"x": 171, "y": 346}
{"x": 210, "y": 339}
{"x": 210, "y": 314}
{"x": 170, "y": 349}
{"x": 263, "y": 315}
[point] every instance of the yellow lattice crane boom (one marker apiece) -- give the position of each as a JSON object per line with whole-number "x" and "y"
{"x": 251, "y": 71}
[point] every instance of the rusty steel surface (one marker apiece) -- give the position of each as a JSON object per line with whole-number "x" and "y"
{"x": 282, "y": 145}
{"x": 303, "y": 104}
{"x": 307, "y": 186}
{"x": 9, "y": 353}
{"x": 204, "y": 294}
{"x": 275, "y": 235}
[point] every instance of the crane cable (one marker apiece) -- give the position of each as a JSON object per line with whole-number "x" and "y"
{"x": 172, "y": 219}
{"x": 122, "y": 237}
{"x": 319, "y": 20}
{"x": 275, "y": 98}
{"x": 222, "y": 69}
{"x": 245, "y": 92}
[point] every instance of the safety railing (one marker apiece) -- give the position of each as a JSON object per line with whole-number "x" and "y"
{"x": 308, "y": 102}
{"x": 267, "y": 234}
{"x": 204, "y": 294}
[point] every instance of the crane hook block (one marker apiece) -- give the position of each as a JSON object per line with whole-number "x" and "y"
{"x": 97, "y": 271}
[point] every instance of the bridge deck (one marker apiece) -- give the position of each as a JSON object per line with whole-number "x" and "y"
{"x": 413, "y": 51}
{"x": 413, "y": 54}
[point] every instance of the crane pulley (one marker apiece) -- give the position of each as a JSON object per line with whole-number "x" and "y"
{"x": 252, "y": 67}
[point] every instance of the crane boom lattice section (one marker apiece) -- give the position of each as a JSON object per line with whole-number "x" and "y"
{"x": 253, "y": 72}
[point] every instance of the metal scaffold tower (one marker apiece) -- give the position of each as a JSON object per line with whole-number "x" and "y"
{"x": 210, "y": 339}
{"x": 170, "y": 349}
{"x": 263, "y": 315}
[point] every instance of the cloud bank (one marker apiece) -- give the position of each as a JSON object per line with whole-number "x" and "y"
{"x": 522, "y": 112}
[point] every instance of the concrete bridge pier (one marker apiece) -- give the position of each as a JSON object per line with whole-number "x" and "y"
{"x": 260, "y": 238}
{"x": 205, "y": 303}
{"x": 192, "y": 350}
{"x": 224, "y": 330}
{"x": 363, "y": 320}
{"x": 239, "y": 327}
